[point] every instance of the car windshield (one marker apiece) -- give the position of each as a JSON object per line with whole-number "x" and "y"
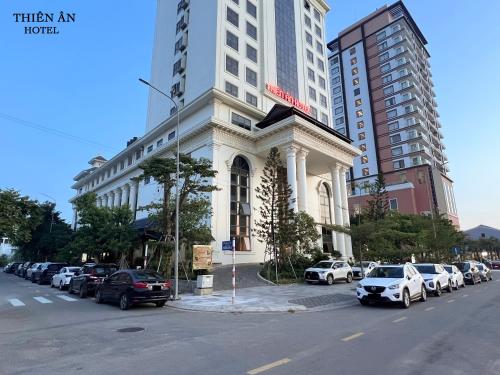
{"x": 463, "y": 266}
{"x": 480, "y": 267}
{"x": 449, "y": 269}
{"x": 54, "y": 267}
{"x": 103, "y": 270}
{"x": 387, "y": 272}
{"x": 323, "y": 265}
{"x": 425, "y": 268}
{"x": 72, "y": 269}
{"x": 147, "y": 276}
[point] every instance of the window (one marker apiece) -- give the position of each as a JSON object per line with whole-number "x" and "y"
{"x": 319, "y": 47}
{"x": 339, "y": 121}
{"x": 159, "y": 143}
{"x": 395, "y": 138}
{"x": 339, "y": 110}
{"x": 413, "y": 147}
{"x": 321, "y": 65}
{"x": 337, "y": 100}
{"x": 310, "y": 74}
{"x": 360, "y": 124}
{"x": 403, "y": 178}
{"x": 335, "y": 70}
{"x": 352, "y": 51}
{"x": 251, "y": 77}
{"x": 409, "y": 108}
{"x": 358, "y": 102}
{"x": 251, "y": 53}
{"x": 322, "y": 100}
{"x": 381, "y": 47}
{"x": 364, "y": 159}
{"x": 240, "y": 204}
{"x": 357, "y": 92}
{"x": 177, "y": 67}
{"x": 335, "y": 80}
{"x": 324, "y": 204}
{"x": 397, "y": 151}
{"x": 337, "y": 90}
{"x": 171, "y": 135}
{"x": 381, "y": 35}
{"x": 150, "y": 149}
{"x": 359, "y": 113}
{"x": 354, "y": 60}
{"x": 251, "y": 9}
{"x": 385, "y": 68}
{"x": 389, "y": 90}
{"x": 251, "y": 31}
{"x": 137, "y": 157}
{"x": 309, "y": 39}
{"x": 355, "y": 81}
{"x": 341, "y": 130}
{"x": 236, "y": 2}
{"x": 317, "y": 30}
{"x": 317, "y": 15}
{"x": 390, "y": 102}
{"x": 310, "y": 56}
{"x": 335, "y": 60}
{"x": 387, "y": 78}
{"x": 232, "y": 65}
{"x": 398, "y": 164}
{"x": 324, "y": 118}
{"x": 312, "y": 93}
{"x": 241, "y": 121}
{"x": 314, "y": 112}
{"x": 251, "y": 99}
{"x": 393, "y": 126}
{"x": 354, "y": 71}
{"x": 361, "y": 136}
{"x": 231, "y": 89}
{"x": 232, "y": 17}
{"x": 362, "y": 147}
{"x": 322, "y": 82}
{"x": 393, "y": 204}
{"x": 392, "y": 113}
{"x": 232, "y": 40}
{"x": 307, "y": 21}
{"x": 366, "y": 171}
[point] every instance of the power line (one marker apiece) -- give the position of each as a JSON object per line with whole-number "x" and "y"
{"x": 53, "y": 131}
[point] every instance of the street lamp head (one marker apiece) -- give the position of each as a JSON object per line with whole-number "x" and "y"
{"x": 144, "y": 81}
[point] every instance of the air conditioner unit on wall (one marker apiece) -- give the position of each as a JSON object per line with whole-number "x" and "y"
{"x": 182, "y": 67}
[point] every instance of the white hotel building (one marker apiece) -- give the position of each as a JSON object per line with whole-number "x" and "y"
{"x": 247, "y": 75}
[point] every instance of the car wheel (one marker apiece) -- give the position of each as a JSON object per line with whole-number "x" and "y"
{"x": 405, "y": 303}
{"x": 70, "y": 288}
{"x": 83, "y": 291}
{"x": 160, "y": 304}
{"x": 438, "y": 291}
{"x": 124, "y": 302}
{"x": 491, "y": 278}
{"x": 349, "y": 278}
{"x": 423, "y": 294}
{"x": 40, "y": 281}
{"x": 329, "y": 279}
{"x": 32, "y": 279}
{"x": 463, "y": 284}
{"x": 309, "y": 282}
{"x": 449, "y": 288}
{"x": 364, "y": 302}
{"x": 98, "y": 297}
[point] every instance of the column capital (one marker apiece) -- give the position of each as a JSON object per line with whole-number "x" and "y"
{"x": 291, "y": 150}
{"x": 302, "y": 153}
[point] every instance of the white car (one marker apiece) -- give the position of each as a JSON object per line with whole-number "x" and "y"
{"x": 63, "y": 277}
{"x": 436, "y": 278}
{"x": 30, "y": 270}
{"x": 456, "y": 277}
{"x": 400, "y": 283}
{"x": 367, "y": 267}
{"x": 328, "y": 271}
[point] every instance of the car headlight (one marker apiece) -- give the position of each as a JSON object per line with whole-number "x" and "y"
{"x": 359, "y": 286}
{"x": 468, "y": 275}
{"x": 394, "y": 286}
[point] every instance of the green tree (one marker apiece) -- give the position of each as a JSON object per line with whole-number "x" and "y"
{"x": 378, "y": 205}
{"x": 19, "y": 215}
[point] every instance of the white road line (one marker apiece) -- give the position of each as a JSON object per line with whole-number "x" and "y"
{"x": 16, "y": 303}
{"x": 352, "y": 337}
{"x": 269, "y": 366}
{"x": 465, "y": 295}
{"x": 429, "y": 308}
{"x": 66, "y": 298}
{"x": 400, "y": 319}
{"x": 451, "y": 300}
{"x": 42, "y": 299}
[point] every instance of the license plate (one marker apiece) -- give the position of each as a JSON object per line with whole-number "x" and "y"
{"x": 157, "y": 287}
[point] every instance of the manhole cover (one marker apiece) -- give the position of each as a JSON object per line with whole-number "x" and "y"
{"x": 130, "y": 329}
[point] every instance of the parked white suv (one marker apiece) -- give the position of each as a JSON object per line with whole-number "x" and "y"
{"x": 328, "y": 271}
{"x": 456, "y": 277}
{"x": 436, "y": 278}
{"x": 367, "y": 267}
{"x": 400, "y": 283}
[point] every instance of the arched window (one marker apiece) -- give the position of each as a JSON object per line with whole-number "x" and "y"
{"x": 240, "y": 204}
{"x": 324, "y": 204}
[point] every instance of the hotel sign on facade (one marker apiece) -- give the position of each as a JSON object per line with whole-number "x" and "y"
{"x": 289, "y": 98}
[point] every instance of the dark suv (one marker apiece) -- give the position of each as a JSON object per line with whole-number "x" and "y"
{"x": 470, "y": 271}
{"x": 44, "y": 273}
{"x": 86, "y": 281}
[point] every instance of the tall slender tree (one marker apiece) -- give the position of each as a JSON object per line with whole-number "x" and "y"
{"x": 378, "y": 205}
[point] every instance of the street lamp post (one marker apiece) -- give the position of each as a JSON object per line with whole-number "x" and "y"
{"x": 176, "y": 271}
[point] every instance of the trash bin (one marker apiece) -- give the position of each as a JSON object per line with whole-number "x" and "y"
{"x": 205, "y": 281}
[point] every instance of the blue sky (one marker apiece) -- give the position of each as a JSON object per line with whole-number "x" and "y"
{"x": 84, "y": 82}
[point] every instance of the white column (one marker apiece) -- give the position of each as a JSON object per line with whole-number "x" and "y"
{"x": 117, "y": 198}
{"x": 111, "y": 201}
{"x": 291, "y": 153}
{"x": 106, "y": 200}
{"x": 133, "y": 197}
{"x": 99, "y": 202}
{"x": 75, "y": 217}
{"x": 345, "y": 209}
{"x": 124, "y": 195}
{"x": 302, "y": 180}
{"x": 333, "y": 210}
{"x": 339, "y": 220}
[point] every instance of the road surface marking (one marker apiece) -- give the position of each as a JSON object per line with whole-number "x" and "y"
{"x": 429, "y": 308}
{"x": 66, "y": 298}
{"x": 465, "y": 295}
{"x": 269, "y": 366}
{"x": 15, "y": 302}
{"x": 42, "y": 300}
{"x": 451, "y": 300}
{"x": 352, "y": 337}
{"x": 400, "y": 319}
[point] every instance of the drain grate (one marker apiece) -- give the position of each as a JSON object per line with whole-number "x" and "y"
{"x": 130, "y": 329}
{"x": 326, "y": 299}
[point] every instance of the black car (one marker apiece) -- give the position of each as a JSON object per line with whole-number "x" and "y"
{"x": 44, "y": 273}
{"x": 132, "y": 287}
{"x": 470, "y": 272}
{"x": 85, "y": 282}
{"x": 22, "y": 270}
{"x": 12, "y": 267}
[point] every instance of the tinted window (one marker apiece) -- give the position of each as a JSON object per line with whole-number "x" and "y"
{"x": 464, "y": 267}
{"x": 54, "y": 267}
{"x": 73, "y": 269}
{"x": 147, "y": 275}
{"x": 124, "y": 278}
{"x": 323, "y": 265}
{"x": 104, "y": 270}
{"x": 426, "y": 269}
{"x": 449, "y": 269}
{"x": 387, "y": 272}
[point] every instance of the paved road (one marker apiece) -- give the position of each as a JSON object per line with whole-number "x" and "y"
{"x": 457, "y": 333}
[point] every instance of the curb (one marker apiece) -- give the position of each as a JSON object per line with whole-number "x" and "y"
{"x": 241, "y": 309}
{"x": 264, "y": 279}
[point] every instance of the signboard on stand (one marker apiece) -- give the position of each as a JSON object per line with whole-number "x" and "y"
{"x": 202, "y": 257}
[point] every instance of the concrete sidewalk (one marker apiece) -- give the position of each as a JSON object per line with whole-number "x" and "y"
{"x": 269, "y": 298}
